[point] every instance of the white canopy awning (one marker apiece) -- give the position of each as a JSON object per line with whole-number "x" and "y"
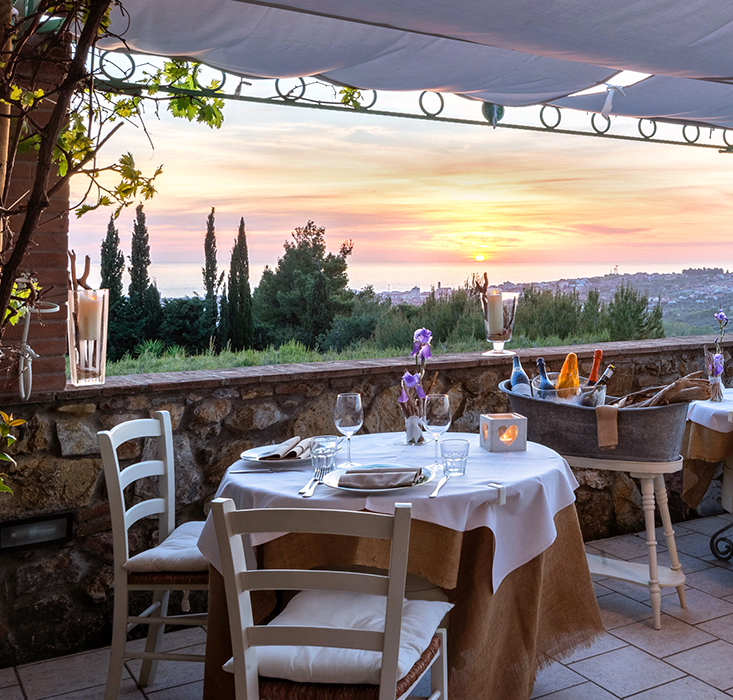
{"x": 509, "y": 52}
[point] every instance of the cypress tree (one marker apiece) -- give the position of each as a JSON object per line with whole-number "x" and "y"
{"x": 210, "y": 276}
{"x": 112, "y": 263}
{"x": 241, "y": 324}
{"x": 139, "y": 260}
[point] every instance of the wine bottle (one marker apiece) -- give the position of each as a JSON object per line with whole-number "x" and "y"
{"x": 593, "y": 376}
{"x": 568, "y": 380}
{"x": 607, "y": 374}
{"x": 519, "y": 381}
{"x": 546, "y": 389}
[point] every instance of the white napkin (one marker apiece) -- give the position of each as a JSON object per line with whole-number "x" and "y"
{"x": 290, "y": 449}
{"x": 386, "y": 477}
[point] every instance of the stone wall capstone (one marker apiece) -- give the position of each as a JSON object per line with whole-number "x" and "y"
{"x": 57, "y": 599}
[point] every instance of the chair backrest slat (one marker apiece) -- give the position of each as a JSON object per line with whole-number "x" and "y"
{"x": 338, "y": 522}
{"x": 152, "y": 467}
{"x": 232, "y": 524}
{"x": 278, "y": 635}
{"x": 289, "y": 580}
{"x": 162, "y": 468}
{"x": 134, "y": 429}
{"x": 144, "y": 509}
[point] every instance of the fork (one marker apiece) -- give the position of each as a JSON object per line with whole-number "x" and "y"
{"x": 317, "y": 479}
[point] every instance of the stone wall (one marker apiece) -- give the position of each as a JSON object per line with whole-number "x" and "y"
{"x": 57, "y": 599}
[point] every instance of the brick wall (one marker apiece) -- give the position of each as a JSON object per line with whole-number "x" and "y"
{"x": 47, "y": 260}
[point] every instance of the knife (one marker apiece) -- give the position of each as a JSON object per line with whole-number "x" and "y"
{"x": 440, "y": 485}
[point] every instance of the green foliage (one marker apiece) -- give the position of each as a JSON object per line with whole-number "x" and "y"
{"x": 350, "y": 96}
{"x": 547, "y": 318}
{"x": 24, "y": 294}
{"x": 6, "y": 439}
{"x": 349, "y": 330}
{"x": 306, "y": 281}
{"x": 239, "y": 329}
{"x": 205, "y": 109}
{"x": 112, "y": 264}
{"x": 151, "y": 347}
{"x": 184, "y": 325}
{"x": 542, "y": 313}
{"x": 629, "y": 317}
{"x": 130, "y": 185}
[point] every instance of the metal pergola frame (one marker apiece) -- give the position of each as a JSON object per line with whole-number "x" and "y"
{"x": 493, "y": 114}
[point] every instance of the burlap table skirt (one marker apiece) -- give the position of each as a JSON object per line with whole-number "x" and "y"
{"x": 496, "y": 641}
{"x": 703, "y": 450}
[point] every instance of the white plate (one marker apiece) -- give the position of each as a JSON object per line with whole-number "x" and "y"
{"x": 332, "y": 479}
{"x": 255, "y": 455}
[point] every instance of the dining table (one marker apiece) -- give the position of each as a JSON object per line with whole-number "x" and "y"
{"x": 502, "y": 542}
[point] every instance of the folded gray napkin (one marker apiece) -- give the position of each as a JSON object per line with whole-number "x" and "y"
{"x": 386, "y": 477}
{"x": 290, "y": 449}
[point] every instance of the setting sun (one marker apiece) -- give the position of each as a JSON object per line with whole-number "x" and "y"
{"x": 479, "y": 257}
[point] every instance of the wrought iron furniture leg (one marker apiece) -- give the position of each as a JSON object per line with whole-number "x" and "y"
{"x": 722, "y": 547}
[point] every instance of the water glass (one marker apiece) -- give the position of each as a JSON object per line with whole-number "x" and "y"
{"x": 323, "y": 452}
{"x": 454, "y": 452}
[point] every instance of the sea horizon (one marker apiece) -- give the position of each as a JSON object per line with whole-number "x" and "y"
{"x": 185, "y": 279}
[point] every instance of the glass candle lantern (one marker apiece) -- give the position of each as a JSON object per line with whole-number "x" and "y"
{"x": 87, "y": 324}
{"x": 500, "y": 308}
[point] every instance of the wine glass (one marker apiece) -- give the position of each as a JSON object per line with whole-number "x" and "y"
{"x": 436, "y": 419}
{"x": 348, "y": 417}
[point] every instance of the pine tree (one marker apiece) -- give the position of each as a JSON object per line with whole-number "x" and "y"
{"x": 139, "y": 260}
{"x": 241, "y": 325}
{"x": 211, "y": 284}
{"x": 112, "y": 263}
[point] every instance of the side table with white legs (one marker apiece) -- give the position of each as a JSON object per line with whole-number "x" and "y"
{"x": 653, "y": 488}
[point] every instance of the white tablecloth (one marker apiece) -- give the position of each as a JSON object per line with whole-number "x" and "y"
{"x": 716, "y": 415}
{"x": 538, "y": 482}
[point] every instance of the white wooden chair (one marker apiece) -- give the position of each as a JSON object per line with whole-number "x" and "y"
{"x": 174, "y": 564}
{"x": 313, "y": 649}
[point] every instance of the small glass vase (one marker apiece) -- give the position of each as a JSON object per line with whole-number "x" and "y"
{"x": 413, "y": 432}
{"x": 716, "y": 388}
{"x": 499, "y": 308}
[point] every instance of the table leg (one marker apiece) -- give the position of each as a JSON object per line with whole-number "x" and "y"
{"x": 660, "y": 490}
{"x": 655, "y": 591}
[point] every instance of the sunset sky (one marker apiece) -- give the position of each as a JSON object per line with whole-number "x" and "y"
{"x": 416, "y": 192}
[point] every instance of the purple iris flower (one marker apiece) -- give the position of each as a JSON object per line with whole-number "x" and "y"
{"x": 720, "y": 317}
{"x": 421, "y": 339}
{"x": 717, "y": 364}
{"x": 411, "y": 380}
{"x": 423, "y": 336}
{"x": 403, "y": 397}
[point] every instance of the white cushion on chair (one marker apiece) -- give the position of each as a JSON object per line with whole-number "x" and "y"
{"x": 178, "y": 552}
{"x": 420, "y": 619}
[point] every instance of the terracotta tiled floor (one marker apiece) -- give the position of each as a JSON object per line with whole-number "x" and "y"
{"x": 690, "y": 658}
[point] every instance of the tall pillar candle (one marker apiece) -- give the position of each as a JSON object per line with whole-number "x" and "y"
{"x": 495, "y": 311}
{"x": 89, "y": 312}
